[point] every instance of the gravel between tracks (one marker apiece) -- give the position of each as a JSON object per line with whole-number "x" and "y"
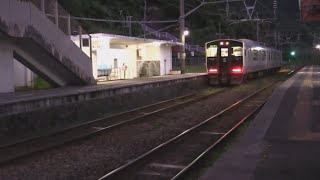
{"x": 93, "y": 157}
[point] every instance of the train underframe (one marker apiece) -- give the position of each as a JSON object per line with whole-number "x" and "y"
{"x": 236, "y": 79}
{"x": 225, "y": 79}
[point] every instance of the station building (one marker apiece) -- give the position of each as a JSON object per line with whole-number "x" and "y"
{"x": 117, "y": 57}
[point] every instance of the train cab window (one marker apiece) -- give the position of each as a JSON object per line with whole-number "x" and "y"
{"x": 224, "y": 52}
{"x": 236, "y": 51}
{"x": 212, "y": 51}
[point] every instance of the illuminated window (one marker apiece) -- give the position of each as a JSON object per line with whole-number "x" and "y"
{"x": 237, "y": 51}
{"x": 224, "y": 52}
{"x": 212, "y": 51}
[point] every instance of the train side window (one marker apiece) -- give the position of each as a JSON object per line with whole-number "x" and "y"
{"x": 236, "y": 51}
{"x": 263, "y": 55}
{"x": 255, "y": 55}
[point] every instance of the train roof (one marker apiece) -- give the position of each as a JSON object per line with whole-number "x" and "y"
{"x": 249, "y": 43}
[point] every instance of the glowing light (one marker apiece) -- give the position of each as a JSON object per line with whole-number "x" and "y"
{"x": 186, "y": 32}
{"x": 221, "y": 43}
{"x": 227, "y": 43}
{"x": 213, "y": 70}
{"x": 318, "y": 46}
{"x": 258, "y": 48}
{"x": 236, "y": 70}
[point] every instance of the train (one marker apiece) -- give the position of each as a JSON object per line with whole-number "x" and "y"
{"x": 232, "y": 61}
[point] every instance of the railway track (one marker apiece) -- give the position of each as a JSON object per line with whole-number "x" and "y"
{"x": 27, "y": 147}
{"x": 175, "y": 158}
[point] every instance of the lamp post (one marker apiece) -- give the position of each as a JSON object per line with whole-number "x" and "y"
{"x": 182, "y": 38}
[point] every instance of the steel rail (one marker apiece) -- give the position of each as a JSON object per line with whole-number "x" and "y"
{"x": 185, "y": 170}
{"x": 116, "y": 173}
{"x": 173, "y": 103}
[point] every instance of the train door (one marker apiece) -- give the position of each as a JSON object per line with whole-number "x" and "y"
{"x": 224, "y": 64}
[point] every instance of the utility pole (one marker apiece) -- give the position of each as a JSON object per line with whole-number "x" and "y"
{"x": 145, "y": 18}
{"x": 258, "y": 31}
{"x": 182, "y": 38}
{"x": 275, "y": 40}
{"x": 219, "y": 30}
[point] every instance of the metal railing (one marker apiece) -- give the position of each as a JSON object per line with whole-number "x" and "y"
{"x": 170, "y": 37}
{"x": 70, "y": 27}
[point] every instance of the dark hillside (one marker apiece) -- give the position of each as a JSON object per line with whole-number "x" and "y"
{"x": 203, "y": 23}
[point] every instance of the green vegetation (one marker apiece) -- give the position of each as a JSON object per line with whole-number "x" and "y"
{"x": 38, "y": 84}
{"x": 203, "y": 24}
{"x": 196, "y": 68}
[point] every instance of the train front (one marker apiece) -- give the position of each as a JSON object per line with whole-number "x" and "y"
{"x": 224, "y": 61}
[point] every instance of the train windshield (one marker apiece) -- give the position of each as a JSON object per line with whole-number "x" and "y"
{"x": 224, "y": 52}
{"x": 237, "y": 51}
{"x": 212, "y": 51}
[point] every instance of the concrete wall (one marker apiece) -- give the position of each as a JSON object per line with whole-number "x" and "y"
{"x": 152, "y": 52}
{"x": 22, "y": 19}
{"x": 22, "y": 75}
{"x": 6, "y": 67}
{"x": 48, "y": 113}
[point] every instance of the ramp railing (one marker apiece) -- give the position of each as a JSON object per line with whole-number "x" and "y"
{"x": 170, "y": 37}
{"x": 50, "y": 27}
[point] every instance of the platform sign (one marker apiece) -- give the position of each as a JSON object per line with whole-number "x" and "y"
{"x": 310, "y": 10}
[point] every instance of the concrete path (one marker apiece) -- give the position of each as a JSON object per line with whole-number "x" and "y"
{"x": 283, "y": 141}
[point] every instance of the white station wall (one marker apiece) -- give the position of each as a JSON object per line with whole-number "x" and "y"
{"x": 166, "y": 59}
{"x": 105, "y": 53}
{"x": 22, "y": 75}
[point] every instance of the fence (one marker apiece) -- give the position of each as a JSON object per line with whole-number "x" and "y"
{"x": 63, "y": 20}
{"x": 193, "y": 64}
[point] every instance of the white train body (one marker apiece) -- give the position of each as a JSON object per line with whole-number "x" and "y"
{"x": 230, "y": 61}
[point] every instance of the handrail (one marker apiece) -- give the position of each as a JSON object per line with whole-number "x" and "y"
{"x": 62, "y": 19}
{"x": 170, "y": 37}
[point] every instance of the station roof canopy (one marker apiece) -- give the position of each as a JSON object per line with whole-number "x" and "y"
{"x": 119, "y": 39}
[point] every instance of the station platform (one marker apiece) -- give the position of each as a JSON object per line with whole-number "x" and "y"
{"x": 64, "y": 95}
{"x": 39, "y": 111}
{"x": 283, "y": 141}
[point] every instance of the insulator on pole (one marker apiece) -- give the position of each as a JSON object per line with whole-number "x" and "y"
{"x": 227, "y": 8}
{"x": 275, "y": 7}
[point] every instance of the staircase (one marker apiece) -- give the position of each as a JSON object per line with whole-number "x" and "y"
{"x": 170, "y": 37}
{"x": 40, "y": 43}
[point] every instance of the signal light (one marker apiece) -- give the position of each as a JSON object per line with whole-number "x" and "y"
{"x": 236, "y": 70}
{"x": 292, "y": 53}
{"x": 213, "y": 70}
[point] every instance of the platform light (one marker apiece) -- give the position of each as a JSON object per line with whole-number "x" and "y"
{"x": 186, "y": 32}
